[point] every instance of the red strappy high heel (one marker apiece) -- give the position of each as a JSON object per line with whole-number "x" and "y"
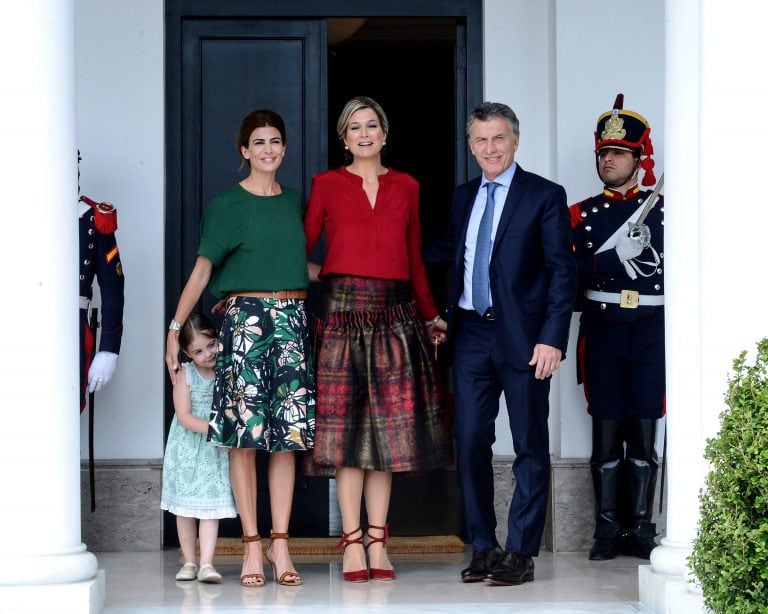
{"x": 360, "y": 575}
{"x": 379, "y": 574}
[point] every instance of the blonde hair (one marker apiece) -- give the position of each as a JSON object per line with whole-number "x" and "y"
{"x": 354, "y": 105}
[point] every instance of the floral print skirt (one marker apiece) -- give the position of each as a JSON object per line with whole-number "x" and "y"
{"x": 264, "y": 394}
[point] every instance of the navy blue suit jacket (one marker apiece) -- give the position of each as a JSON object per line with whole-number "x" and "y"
{"x": 532, "y": 270}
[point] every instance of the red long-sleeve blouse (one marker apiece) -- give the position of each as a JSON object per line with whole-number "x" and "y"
{"x": 383, "y": 242}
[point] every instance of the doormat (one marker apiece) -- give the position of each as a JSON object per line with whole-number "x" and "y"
{"x": 428, "y": 544}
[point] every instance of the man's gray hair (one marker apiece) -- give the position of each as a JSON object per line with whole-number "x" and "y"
{"x": 490, "y": 110}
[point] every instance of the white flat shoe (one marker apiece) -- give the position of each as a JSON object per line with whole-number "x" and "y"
{"x": 208, "y": 574}
{"x": 187, "y": 572}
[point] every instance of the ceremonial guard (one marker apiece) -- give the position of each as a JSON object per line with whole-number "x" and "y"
{"x": 99, "y": 259}
{"x": 619, "y": 246}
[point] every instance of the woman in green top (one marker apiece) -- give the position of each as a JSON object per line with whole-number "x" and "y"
{"x": 252, "y": 253}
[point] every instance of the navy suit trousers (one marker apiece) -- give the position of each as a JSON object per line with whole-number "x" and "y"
{"x": 480, "y": 375}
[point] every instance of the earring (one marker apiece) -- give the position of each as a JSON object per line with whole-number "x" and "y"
{"x": 346, "y": 148}
{"x": 383, "y": 143}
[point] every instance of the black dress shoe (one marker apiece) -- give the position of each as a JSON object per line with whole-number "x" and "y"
{"x": 482, "y": 562}
{"x": 512, "y": 569}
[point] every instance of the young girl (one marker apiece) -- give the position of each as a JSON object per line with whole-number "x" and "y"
{"x": 196, "y": 473}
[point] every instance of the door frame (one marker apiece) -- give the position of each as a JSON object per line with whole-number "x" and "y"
{"x": 469, "y": 90}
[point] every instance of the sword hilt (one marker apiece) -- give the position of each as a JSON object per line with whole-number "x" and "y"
{"x": 640, "y": 233}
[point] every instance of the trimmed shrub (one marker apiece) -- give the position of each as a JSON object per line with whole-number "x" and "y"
{"x": 730, "y": 552}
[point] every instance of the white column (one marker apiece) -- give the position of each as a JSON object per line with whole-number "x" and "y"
{"x": 44, "y": 566}
{"x": 715, "y": 237}
{"x": 663, "y": 582}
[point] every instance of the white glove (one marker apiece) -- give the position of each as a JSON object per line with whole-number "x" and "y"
{"x": 628, "y": 248}
{"x": 102, "y": 369}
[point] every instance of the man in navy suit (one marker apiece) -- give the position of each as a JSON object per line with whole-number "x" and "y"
{"x": 512, "y": 292}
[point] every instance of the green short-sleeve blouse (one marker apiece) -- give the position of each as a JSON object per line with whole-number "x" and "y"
{"x": 256, "y": 243}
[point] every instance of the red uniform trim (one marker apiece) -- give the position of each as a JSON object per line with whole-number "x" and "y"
{"x": 575, "y": 211}
{"x": 581, "y": 352}
{"x": 88, "y": 350}
{"x": 616, "y": 195}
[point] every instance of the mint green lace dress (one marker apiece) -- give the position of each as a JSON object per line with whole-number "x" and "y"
{"x": 195, "y": 472}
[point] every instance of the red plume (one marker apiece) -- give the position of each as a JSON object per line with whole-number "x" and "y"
{"x": 648, "y": 144}
{"x": 619, "y": 104}
{"x": 647, "y": 162}
{"x": 647, "y": 165}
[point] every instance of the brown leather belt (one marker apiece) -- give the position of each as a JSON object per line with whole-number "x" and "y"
{"x": 276, "y": 294}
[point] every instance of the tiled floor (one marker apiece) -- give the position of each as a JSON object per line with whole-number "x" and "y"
{"x": 564, "y": 583}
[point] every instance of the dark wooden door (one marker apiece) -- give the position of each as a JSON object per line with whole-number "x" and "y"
{"x": 227, "y": 69}
{"x": 224, "y": 59}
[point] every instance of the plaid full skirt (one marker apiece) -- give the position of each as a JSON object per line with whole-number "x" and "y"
{"x": 378, "y": 395}
{"x": 264, "y": 391}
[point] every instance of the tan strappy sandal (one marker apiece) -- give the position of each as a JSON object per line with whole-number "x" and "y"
{"x": 287, "y": 578}
{"x": 258, "y": 579}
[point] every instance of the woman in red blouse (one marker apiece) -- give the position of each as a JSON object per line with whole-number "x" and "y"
{"x": 378, "y": 407}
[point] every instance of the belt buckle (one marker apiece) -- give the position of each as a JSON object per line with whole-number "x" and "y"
{"x": 630, "y": 299}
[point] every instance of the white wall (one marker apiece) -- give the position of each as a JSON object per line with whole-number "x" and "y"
{"x": 120, "y": 133}
{"x": 733, "y": 215}
{"x": 558, "y": 63}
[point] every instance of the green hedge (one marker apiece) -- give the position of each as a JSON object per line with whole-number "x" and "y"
{"x": 730, "y": 552}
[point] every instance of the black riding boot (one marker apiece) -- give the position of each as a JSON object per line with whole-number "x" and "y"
{"x": 606, "y": 472}
{"x": 642, "y": 466}
{"x": 607, "y": 525}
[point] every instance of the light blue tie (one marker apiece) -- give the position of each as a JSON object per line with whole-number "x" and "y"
{"x": 480, "y": 284}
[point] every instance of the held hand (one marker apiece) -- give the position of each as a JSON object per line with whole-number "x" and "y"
{"x": 437, "y": 331}
{"x": 313, "y": 271}
{"x": 101, "y": 370}
{"x": 628, "y": 247}
{"x": 220, "y": 307}
{"x": 172, "y": 354}
{"x": 546, "y": 359}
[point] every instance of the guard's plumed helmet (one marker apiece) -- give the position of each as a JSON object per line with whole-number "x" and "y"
{"x": 621, "y": 128}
